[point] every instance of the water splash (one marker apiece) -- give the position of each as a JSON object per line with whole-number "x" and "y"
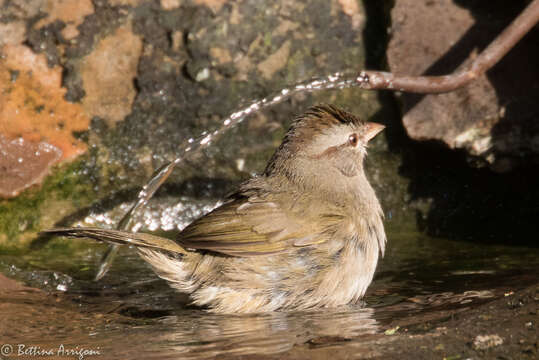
{"x": 130, "y": 222}
{"x": 338, "y": 80}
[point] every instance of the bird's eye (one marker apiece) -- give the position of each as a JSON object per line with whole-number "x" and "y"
{"x": 353, "y": 139}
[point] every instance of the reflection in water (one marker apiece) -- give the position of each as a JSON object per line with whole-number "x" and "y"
{"x": 212, "y": 335}
{"x": 35, "y": 318}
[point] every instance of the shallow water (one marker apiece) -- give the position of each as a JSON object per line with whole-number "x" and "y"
{"x": 133, "y": 314}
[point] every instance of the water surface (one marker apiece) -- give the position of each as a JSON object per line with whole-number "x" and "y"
{"x": 133, "y": 314}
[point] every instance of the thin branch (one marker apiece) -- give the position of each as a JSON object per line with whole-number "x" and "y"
{"x": 379, "y": 80}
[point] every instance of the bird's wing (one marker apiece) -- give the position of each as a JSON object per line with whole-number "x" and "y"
{"x": 256, "y": 226}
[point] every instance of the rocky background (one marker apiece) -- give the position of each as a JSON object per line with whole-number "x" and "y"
{"x": 493, "y": 119}
{"x": 95, "y": 95}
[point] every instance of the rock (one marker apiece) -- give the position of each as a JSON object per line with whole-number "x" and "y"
{"x": 23, "y": 164}
{"x": 32, "y": 105}
{"x": 108, "y": 73}
{"x": 33, "y": 111}
{"x": 221, "y": 56}
{"x": 170, "y": 4}
{"x": 71, "y": 13}
{"x": 12, "y": 33}
{"x": 483, "y": 342}
{"x": 275, "y": 62}
{"x": 495, "y": 117}
{"x": 125, "y": 2}
{"x": 214, "y": 5}
{"x": 351, "y": 8}
{"x": 213, "y": 64}
{"x": 21, "y": 9}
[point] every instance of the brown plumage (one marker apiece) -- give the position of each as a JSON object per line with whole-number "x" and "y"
{"x": 306, "y": 233}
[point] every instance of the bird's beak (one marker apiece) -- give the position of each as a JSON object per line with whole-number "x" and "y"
{"x": 371, "y": 130}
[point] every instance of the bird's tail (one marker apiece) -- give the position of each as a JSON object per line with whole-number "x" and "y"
{"x": 140, "y": 240}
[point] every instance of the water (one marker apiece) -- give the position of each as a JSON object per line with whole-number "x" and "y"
{"x": 133, "y": 314}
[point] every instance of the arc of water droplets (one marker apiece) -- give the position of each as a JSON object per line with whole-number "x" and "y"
{"x": 334, "y": 81}
{"x": 338, "y": 80}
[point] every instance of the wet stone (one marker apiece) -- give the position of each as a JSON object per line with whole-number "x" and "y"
{"x": 23, "y": 163}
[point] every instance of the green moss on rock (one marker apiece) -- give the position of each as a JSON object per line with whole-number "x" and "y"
{"x": 68, "y": 188}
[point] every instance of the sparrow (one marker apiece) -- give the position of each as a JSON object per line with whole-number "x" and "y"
{"x": 307, "y": 233}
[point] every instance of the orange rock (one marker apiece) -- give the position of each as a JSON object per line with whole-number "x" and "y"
{"x": 32, "y": 104}
{"x": 33, "y": 108}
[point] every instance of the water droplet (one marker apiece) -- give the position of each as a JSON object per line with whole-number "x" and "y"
{"x": 240, "y": 164}
{"x": 205, "y": 140}
{"x": 202, "y": 75}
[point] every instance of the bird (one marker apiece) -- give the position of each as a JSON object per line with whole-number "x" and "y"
{"x": 305, "y": 234}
